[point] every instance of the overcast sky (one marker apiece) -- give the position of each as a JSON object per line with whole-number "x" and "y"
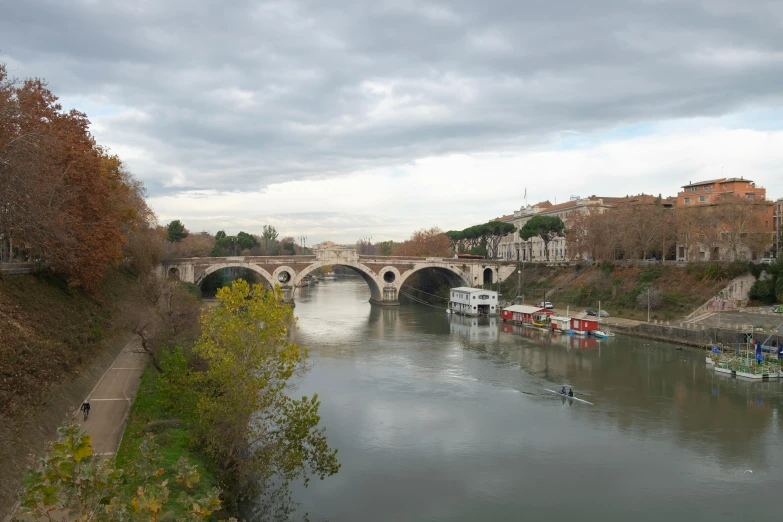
{"x": 338, "y": 119}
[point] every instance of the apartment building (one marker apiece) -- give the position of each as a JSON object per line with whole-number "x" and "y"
{"x": 718, "y": 239}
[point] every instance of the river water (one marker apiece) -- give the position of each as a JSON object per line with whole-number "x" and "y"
{"x": 440, "y": 417}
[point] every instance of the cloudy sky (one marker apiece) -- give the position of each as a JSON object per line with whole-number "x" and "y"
{"x": 338, "y": 119}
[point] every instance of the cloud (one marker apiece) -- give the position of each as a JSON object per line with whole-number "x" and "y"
{"x": 455, "y": 191}
{"x": 245, "y": 97}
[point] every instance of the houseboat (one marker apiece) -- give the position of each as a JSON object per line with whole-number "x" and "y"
{"x": 473, "y": 301}
{"x": 560, "y": 323}
{"x": 525, "y": 314}
{"x": 583, "y": 324}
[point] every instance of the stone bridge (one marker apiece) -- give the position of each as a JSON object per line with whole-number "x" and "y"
{"x": 384, "y": 275}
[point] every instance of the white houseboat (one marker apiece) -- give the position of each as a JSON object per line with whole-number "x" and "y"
{"x": 473, "y": 301}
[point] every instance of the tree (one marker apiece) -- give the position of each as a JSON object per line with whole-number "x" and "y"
{"x": 456, "y": 237}
{"x": 246, "y": 241}
{"x": 649, "y": 295}
{"x": 245, "y": 420}
{"x": 364, "y": 247}
{"x": 176, "y": 231}
{"x": 287, "y": 246}
{"x": 79, "y": 485}
{"x": 63, "y": 198}
{"x": 545, "y": 227}
{"x": 386, "y": 248}
{"x": 431, "y": 242}
{"x": 739, "y": 219}
{"x": 163, "y": 313}
{"x": 497, "y": 231}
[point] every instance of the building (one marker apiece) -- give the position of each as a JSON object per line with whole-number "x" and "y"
{"x": 778, "y": 216}
{"x": 560, "y": 323}
{"x": 525, "y": 314}
{"x": 513, "y": 248}
{"x": 710, "y": 191}
{"x": 473, "y": 301}
{"x": 716, "y": 237}
{"x": 583, "y": 324}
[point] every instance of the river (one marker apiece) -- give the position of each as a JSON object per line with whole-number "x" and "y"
{"x": 440, "y": 417}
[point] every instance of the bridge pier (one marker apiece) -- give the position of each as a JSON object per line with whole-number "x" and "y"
{"x": 388, "y": 298}
{"x": 288, "y": 295}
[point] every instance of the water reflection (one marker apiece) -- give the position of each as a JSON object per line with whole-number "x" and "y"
{"x": 442, "y": 417}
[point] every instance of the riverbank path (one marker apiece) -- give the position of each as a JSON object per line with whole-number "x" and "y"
{"x": 111, "y": 400}
{"x": 608, "y": 321}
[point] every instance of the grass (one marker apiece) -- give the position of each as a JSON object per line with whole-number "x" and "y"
{"x": 147, "y": 415}
{"x": 50, "y": 331}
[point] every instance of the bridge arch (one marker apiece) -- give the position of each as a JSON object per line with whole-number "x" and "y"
{"x": 454, "y": 276}
{"x": 250, "y": 266}
{"x": 376, "y": 294}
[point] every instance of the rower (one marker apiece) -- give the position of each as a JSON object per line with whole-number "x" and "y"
{"x": 570, "y": 392}
{"x": 563, "y": 391}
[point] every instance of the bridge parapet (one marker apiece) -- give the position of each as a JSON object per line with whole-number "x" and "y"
{"x": 334, "y": 255}
{"x": 385, "y": 275}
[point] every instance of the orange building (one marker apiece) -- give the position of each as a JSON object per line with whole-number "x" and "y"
{"x": 706, "y": 192}
{"x": 713, "y": 192}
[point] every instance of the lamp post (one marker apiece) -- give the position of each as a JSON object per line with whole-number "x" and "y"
{"x": 648, "y": 304}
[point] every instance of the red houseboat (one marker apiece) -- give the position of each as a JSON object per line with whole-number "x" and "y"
{"x": 525, "y": 314}
{"x": 583, "y": 325}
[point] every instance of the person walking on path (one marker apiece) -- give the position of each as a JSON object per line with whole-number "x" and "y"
{"x": 85, "y": 408}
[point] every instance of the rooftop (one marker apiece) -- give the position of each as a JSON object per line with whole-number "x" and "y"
{"x": 713, "y": 181}
{"x": 470, "y": 289}
{"x": 524, "y": 309}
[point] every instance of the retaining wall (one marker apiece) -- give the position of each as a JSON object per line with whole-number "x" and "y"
{"x": 693, "y": 336}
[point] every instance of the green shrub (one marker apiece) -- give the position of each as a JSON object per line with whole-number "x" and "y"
{"x": 755, "y": 269}
{"x": 650, "y": 273}
{"x": 739, "y": 268}
{"x": 763, "y": 291}
{"x": 715, "y": 272}
{"x": 606, "y": 268}
{"x": 696, "y": 269}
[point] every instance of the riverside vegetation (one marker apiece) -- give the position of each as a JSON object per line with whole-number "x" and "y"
{"x": 212, "y": 424}
{"x": 621, "y": 288}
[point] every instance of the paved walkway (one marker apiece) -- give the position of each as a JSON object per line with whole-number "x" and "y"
{"x": 111, "y": 400}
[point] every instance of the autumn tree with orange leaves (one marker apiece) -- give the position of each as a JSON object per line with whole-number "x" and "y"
{"x": 427, "y": 242}
{"x": 64, "y": 199}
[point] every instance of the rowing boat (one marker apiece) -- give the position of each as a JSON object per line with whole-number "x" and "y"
{"x": 575, "y": 398}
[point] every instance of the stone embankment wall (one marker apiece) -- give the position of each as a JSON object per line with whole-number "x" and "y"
{"x": 695, "y": 336}
{"x": 18, "y": 268}
{"x": 737, "y": 291}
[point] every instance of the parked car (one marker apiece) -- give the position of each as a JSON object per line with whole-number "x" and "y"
{"x": 590, "y": 311}
{"x": 545, "y": 304}
{"x": 604, "y": 313}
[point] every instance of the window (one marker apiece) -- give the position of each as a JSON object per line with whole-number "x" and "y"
{"x": 751, "y": 196}
{"x": 701, "y": 199}
{"x": 687, "y": 200}
{"x": 766, "y": 224}
{"x": 483, "y": 297}
{"x": 474, "y": 297}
